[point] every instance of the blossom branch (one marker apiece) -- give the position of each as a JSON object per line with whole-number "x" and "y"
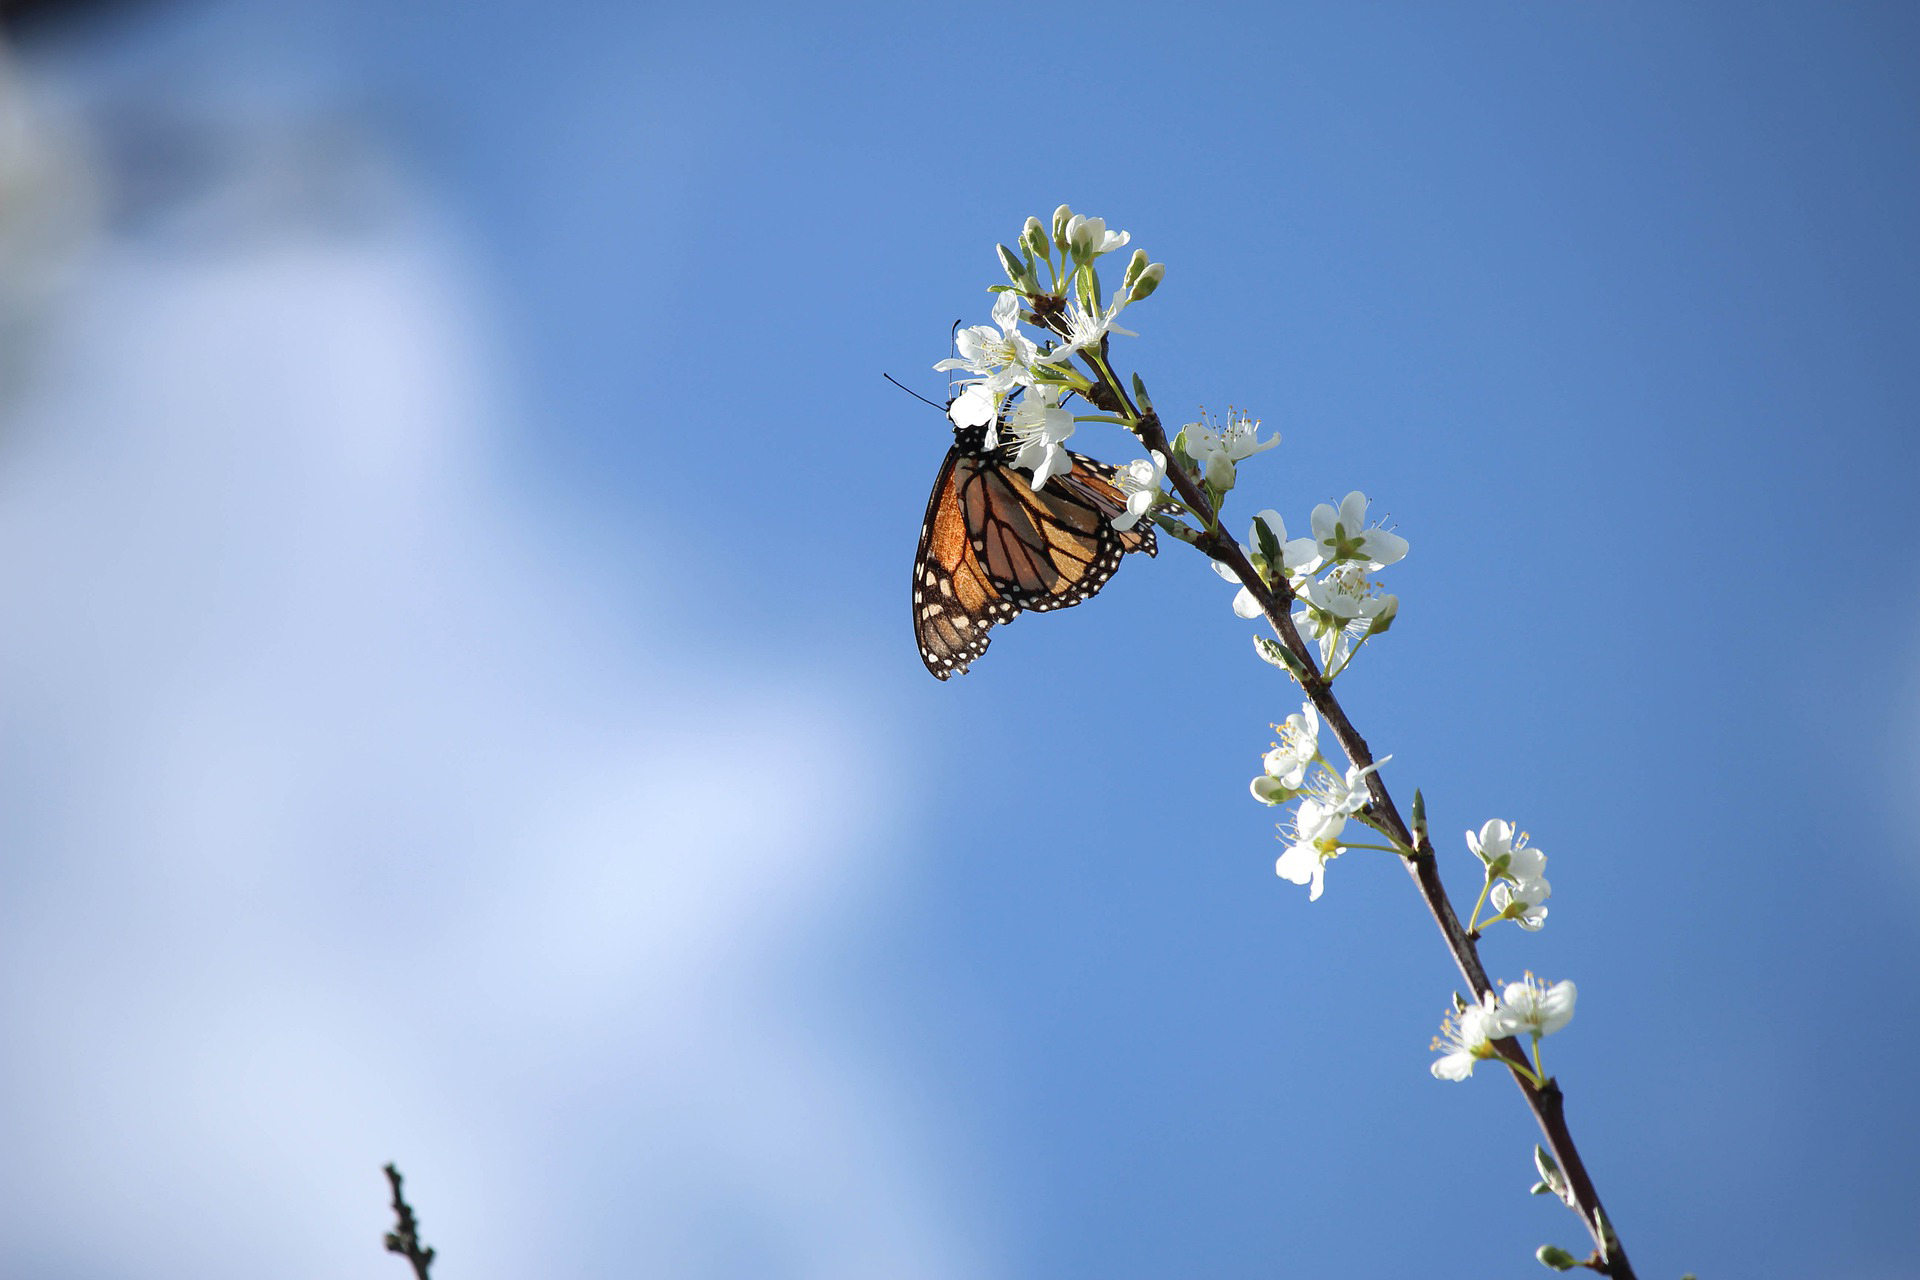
{"x": 1544, "y": 1100}
{"x": 1342, "y": 613}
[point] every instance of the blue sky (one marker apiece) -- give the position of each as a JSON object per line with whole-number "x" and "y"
{"x": 463, "y": 708}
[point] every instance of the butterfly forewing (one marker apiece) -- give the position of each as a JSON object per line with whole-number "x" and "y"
{"x": 953, "y": 602}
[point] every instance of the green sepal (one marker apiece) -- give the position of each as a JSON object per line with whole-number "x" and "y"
{"x": 1383, "y": 621}
{"x": 1086, "y": 283}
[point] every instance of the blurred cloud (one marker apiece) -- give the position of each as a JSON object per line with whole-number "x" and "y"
{"x": 348, "y": 822}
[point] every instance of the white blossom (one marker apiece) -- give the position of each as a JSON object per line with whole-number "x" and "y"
{"x": 1287, "y": 764}
{"x": 1348, "y": 795}
{"x": 976, "y": 406}
{"x": 1344, "y": 535}
{"x": 1140, "y": 480}
{"x": 1529, "y": 1008}
{"x": 1342, "y": 604}
{"x": 1297, "y": 558}
{"x": 1522, "y": 901}
{"x": 1505, "y": 852}
{"x": 1316, "y": 828}
{"x": 1088, "y": 238}
{"x": 1039, "y": 426}
{"x": 1467, "y": 1035}
{"x": 1086, "y": 328}
{"x": 1218, "y": 450}
{"x": 1002, "y": 358}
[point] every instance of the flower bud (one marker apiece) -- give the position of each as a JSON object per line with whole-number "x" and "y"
{"x": 1552, "y": 1181}
{"x": 1082, "y": 235}
{"x": 1149, "y": 281}
{"x": 1033, "y": 238}
{"x": 1061, "y": 217}
{"x": 1181, "y": 452}
{"x": 1135, "y": 265}
{"x": 1556, "y": 1258}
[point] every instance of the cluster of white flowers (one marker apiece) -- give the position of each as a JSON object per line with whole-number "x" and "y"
{"x": 1336, "y": 603}
{"x": 1516, "y": 875}
{"x": 1003, "y": 363}
{"x": 1295, "y": 770}
{"x": 1516, "y": 882}
{"x": 1524, "y": 1008}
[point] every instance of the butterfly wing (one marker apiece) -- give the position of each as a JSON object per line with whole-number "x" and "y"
{"x": 1055, "y": 548}
{"x": 990, "y": 546}
{"x": 954, "y": 602}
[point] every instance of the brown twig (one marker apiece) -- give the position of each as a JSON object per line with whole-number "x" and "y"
{"x": 1275, "y": 601}
{"x": 406, "y": 1240}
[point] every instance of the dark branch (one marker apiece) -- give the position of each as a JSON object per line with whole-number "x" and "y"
{"x": 405, "y": 1241}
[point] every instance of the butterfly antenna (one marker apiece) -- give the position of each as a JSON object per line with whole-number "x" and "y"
{"x": 953, "y": 342}
{"x": 910, "y": 391}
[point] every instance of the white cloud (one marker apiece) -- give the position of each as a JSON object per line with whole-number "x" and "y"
{"x": 338, "y": 831}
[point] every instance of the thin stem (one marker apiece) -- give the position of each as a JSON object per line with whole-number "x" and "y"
{"x": 1473, "y": 917}
{"x": 1521, "y": 1072}
{"x": 1384, "y": 848}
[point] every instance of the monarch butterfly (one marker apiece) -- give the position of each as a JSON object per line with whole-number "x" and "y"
{"x": 990, "y": 546}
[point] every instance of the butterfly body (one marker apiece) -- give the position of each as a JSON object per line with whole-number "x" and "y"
{"x": 991, "y": 547}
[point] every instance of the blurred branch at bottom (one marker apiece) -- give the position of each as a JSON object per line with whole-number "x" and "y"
{"x": 405, "y": 1239}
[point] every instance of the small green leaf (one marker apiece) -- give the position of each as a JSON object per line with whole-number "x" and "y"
{"x": 1269, "y": 546}
{"x": 1012, "y": 264}
{"x": 1140, "y": 394}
